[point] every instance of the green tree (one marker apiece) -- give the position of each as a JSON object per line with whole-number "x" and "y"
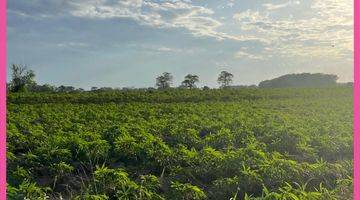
{"x": 42, "y": 88}
{"x": 164, "y": 81}
{"x": 21, "y": 78}
{"x": 225, "y": 79}
{"x": 190, "y": 80}
{"x": 63, "y": 88}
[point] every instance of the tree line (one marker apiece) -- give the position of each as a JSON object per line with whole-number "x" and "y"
{"x": 23, "y": 79}
{"x": 166, "y": 79}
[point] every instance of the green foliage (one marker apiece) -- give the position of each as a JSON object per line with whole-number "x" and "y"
{"x": 181, "y": 144}
{"x": 28, "y": 191}
{"x": 189, "y": 81}
{"x": 180, "y": 191}
{"x": 21, "y": 78}
{"x": 164, "y": 81}
{"x": 301, "y": 80}
{"x": 115, "y": 184}
{"x": 225, "y": 79}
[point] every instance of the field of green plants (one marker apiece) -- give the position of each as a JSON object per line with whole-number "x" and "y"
{"x": 178, "y": 144}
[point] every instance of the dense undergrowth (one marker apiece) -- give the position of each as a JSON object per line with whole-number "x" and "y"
{"x": 181, "y": 144}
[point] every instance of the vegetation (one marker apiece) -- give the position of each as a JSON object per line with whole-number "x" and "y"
{"x": 194, "y": 144}
{"x": 301, "y": 80}
{"x": 23, "y": 81}
{"x": 190, "y": 81}
{"x": 21, "y": 78}
{"x": 164, "y": 81}
{"x": 225, "y": 79}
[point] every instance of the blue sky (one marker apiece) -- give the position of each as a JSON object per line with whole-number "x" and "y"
{"x": 127, "y": 43}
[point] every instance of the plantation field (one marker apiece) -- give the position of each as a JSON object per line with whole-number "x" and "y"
{"x": 181, "y": 144}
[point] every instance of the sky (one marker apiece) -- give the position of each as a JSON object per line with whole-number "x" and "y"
{"x": 127, "y": 43}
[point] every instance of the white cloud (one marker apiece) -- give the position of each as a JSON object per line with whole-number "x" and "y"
{"x": 325, "y": 32}
{"x": 246, "y": 55}
{"x": 99, "y": 8}
{"x": 325, "y": 29}
{"x": 198, "y": 20}
{"x": 72, "y": 44}
{"x": 270, "y": 6}
{"x": 161, "y": 49}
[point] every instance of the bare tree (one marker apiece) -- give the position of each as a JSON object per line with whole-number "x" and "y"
{"x": 21, "y": 78}
{"x": 225, "y": 79}
{"x": 164, "y": 81}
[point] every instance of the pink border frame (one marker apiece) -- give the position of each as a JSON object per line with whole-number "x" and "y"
{"x": 3, "y": 65}
{"x": 3, "y": 99}
{"x": 356, "y": 100}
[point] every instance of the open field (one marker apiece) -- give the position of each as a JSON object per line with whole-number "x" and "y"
{"x": 181, "y": 144}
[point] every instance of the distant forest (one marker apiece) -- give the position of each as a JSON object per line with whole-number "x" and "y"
{"x": 23, "y": 80}
{"x": 301, "y": 80}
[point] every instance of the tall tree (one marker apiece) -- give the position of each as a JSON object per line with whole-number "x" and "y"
{"x": 21, "y": 78}
{"x": 225, "y": 79}
{"x": 164, "y": 81}
{"x": 190, "y": 80}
